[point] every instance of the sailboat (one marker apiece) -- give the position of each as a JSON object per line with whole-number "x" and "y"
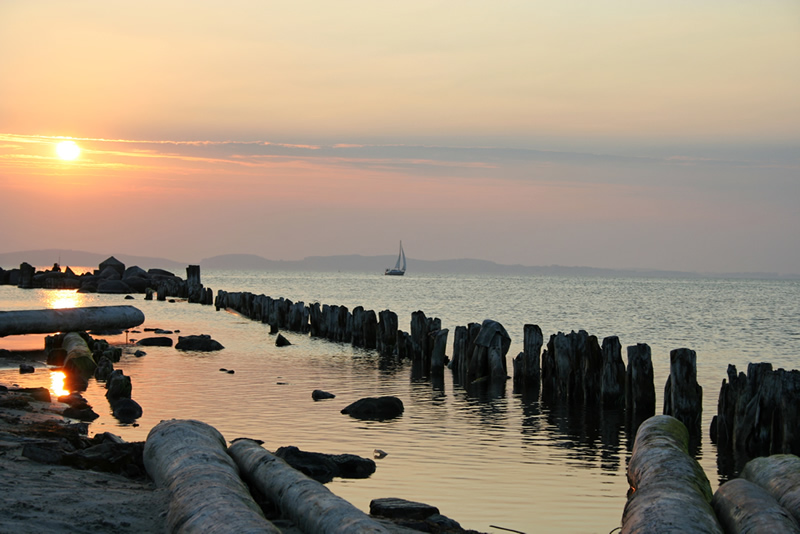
{"x": 399, "y": 267}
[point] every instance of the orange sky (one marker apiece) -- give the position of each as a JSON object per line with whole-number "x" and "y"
{"x": 589, "y": 133}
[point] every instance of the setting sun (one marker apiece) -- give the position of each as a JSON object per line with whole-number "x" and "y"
{"x": 68, "y": 150}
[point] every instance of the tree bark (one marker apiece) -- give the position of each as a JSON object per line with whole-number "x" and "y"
{"x": 779, "y": 475}
{"x": 189, "y": 458}
{"x": 69, "y": 320}
{"x": 744, "y": 507}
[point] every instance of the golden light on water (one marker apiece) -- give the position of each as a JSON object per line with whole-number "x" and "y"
{"x": 64, "y": 299}
{"x": 57, "y": 379}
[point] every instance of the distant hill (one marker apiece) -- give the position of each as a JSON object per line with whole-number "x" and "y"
{"x": 349, "y": 263}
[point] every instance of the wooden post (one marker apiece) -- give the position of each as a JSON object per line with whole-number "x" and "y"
{"x": 613, "y": 384}
{"x": 640, "y": 391}
{"x": 683, "y": 396}
{"x": 439, "y": 347}
{"x": 387, "y": 332}
{"x": 459, "y": 350}
{"x": 529, "y": 367}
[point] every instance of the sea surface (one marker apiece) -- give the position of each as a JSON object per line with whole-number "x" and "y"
{"x": 488, "y": 461}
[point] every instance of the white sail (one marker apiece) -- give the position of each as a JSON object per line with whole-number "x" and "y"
{"x": 403, "y": 254}
{"x": 400, "y": 265}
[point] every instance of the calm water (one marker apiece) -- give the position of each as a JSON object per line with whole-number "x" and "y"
{"x": 503, "y": 460}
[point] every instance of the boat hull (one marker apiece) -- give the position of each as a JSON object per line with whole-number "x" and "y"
{"x": 394, "y": 272}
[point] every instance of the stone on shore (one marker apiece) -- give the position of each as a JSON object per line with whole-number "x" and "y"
{"x": 375, "y": 408}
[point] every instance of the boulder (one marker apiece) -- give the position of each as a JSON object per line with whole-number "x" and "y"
{"x": 156, "y": 341}
{"x": 117, "y": 287}
{"x": 281, "y": 341}
{"x": 375, "y": 408}
{"x": 82, "y": 414}
{"x": 126, "y": 410}
{"x": 24, "y": 368}
{"x": 104, "y": 369}
{"x": 324, "y": 467}
{"x": 113, "y": 263}
{"x": 118, "y": 385}
{"x": 318, "y": 394}
{"x": 202, "y": 342}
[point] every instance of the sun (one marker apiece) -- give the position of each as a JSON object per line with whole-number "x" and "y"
{"x": 68, "y": 150}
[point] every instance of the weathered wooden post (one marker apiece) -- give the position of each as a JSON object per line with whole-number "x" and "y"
{"x": 459, "y": 350}
{"x": 370, "y": 329}
{"x": 419, "y": 334}
{"x": 640, "y": 391}
{"x": 683, "y": 396}
{"x": 491, "y": 346}
{"x": 387, "y": 332}
{"x": 358, "y": 326}
{"x": 527, "y": 371}
{"x": 669, "y": 490}
{"x": 439, "y": 347}
{"x": 613, "y": 385}
{"x": 590, "y": 357}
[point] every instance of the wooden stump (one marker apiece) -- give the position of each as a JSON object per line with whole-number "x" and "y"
{"x": 613, "y": 383}
{"x": 683, "y": 396}
{"x": 640, "y": 391}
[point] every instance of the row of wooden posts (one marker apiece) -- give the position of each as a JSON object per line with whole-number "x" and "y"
{"x": 757, "y": 412}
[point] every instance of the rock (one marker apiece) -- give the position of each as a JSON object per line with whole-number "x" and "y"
{"x": 158, "y": 341}
{"x": 139, "y": 353}
{"x": 113, "y": 263}
{"x": 392, "y": 508}
{"x": 375, "y": 408}
{"x": 128, "y": 297}
{"x": 281, "y": 341}
{"x": 162, "y": 332}
{"x": 111, "y": 456}
{"x": 118, "y": 385}
{"x": 81, "y": 414}
{"x": 324, "y": 467}
{"x": 202, "y": 342}
{"x": 104, "y": 369}
{"x": 126, "y": 410}
{"x": 24, "y": 368}
{"x": 318, "y": 394}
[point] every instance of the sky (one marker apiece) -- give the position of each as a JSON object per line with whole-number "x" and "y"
{"x": 602, "y": 133}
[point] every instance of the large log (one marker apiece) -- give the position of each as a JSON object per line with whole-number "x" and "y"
{"x": 779, "y": 475}
{"x": 743, "y": 507}
{"x": 69, "y": 320}
{"x": 79, "y": 357}
{"x": 310, "y": 505}
{"x": 189, "y": 458}
{"x": 669, "y": 490}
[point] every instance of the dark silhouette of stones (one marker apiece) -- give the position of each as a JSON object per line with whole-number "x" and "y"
{"x": 104, "y": 369}
{"x": 126, "y": 410}
{"x": 281, "y": 341}
{"x": 375, "y": 408}
{"x": 157, "y": 341}
{"x": 113, "y": 263}
{"x": 392, "y": 508}
{"x": 118, "y": 385}
{"x": 324, "y": 467}
{"x": 24, "y": 368}
{"x": 318, "y": 394}
{"x": 203, "y": 342}
{"x": 82, "y": 414}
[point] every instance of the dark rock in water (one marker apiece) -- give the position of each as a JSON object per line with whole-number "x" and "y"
{"x": 113, "y": 263}
{"x": 126, "y": 410}
{"x": 112, "y": 332}
{"x": 118, "y": 385}
{"x": 375, "y": 408}
{"x": 128, "y": 297}
{"x": 392, "y": 508}
{"x": 74, "y": 400}
{"x": 39, "y": 394}
{"x": 139, "y": 353}
{"x": 24, "y": 368}
{"x": 324, "y": 467}
{"x": 104, "y": 369}
{"x": 281, "y": 341}
{"x": 159, "y": 341}
{"x": 162, "y": 331}
{"x": 110, "y": 455}
{"x": 82, "y": 414}
{"x": 318, "y": 394}
{"x": 203, "y": 342}
{"x": 231, "y": 371}
{"x": 223, "y": 370}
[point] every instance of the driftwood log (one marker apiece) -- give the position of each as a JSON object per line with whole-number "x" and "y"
{"x": 779, "y": 475}
{"x": 189, "y": 458}
{"x": 743, "y": 507}
{"x": 79, "y": 358}
{"x": 310, "y": 505}
{"x": 669, "y": 490}
{"x": 69, "y": 320}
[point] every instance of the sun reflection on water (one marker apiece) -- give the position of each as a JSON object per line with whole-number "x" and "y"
{"x": 60, "y": 299}
{"x": 57, "y": 383}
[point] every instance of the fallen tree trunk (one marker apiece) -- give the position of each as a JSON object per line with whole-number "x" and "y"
{"x": 310, "y": 505}
{"x": 669, "y": 490}
{"x": 69, "y": 320}
{"x": 79, "y": 358}
{"x": 744, "y": 507}
{"x": 779, "y": 475}
{"x": 189, "y": 458}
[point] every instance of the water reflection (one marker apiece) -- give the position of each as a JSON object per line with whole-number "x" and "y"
{"x": 57, "y": 387}
{"x": 64, "y": 298}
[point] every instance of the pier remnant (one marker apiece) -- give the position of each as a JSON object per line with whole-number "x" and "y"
{"x": 69, "y": 320}
{"x": 683, "y": 396}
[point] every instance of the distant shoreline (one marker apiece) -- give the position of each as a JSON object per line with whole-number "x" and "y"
{"x": 358, "y": 263}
